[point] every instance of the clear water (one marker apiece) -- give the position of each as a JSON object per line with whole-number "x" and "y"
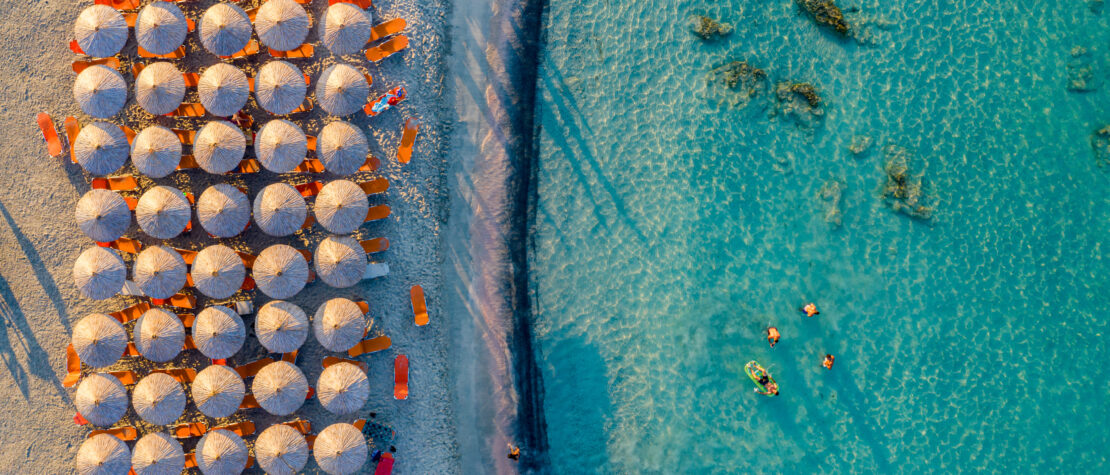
{"x": 671, "y": 229}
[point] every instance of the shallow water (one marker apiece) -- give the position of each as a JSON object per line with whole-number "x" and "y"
{"x": 671, "y": 229}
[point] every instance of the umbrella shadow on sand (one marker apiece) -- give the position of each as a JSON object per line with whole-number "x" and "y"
{"x": 49, "y": 287}
{"x": 38, "y": 362}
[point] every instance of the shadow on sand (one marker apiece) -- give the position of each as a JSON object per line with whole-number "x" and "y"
{"x": 49, "y": 287}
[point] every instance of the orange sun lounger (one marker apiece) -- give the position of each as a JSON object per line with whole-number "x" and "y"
{"x": 363, "y": 4}
{"x": 249, "y": 402}
{"x": 375, "y": 245}
{"x": 419, "y": 305}
{"x": 49, "y": 134}
{"x": 128, "y": 245}
{"x": 185, "y": 431}
{"x": 125, "y": 433}
{"x": 309, "y": 189}
{"x": 181, "y": 375}
{"x": 81, "y": 65}
{"x": 252, "y": 368}
{"x": 73, "y": 367}
{"x": 303, "y": 51}
{"x": 375, "y": 186}
{"x": 250, "y": 49}
{"x": 301, "y": 425}
{"x": 386, "y": 28}
{"x": 115, "y": 183}
{"x": 125, "y": 378}
{"x": 372, "y": 163}
{"x": 119, "y": 4}
{"x": 241, "y": 429}
{"x": 401, "y": 377}
{"x": 330, "y": 360}
{"x": 175, "y": 54}
{"x": 72, "y": 128}
{"x": 389, "y": 48}
{"x": 377, "y": 212}
{"x": 369, "y": 346}
{"x": 408, "y": 139}
{"x": 188, "y": 109}
{"x": 131, "y": 313}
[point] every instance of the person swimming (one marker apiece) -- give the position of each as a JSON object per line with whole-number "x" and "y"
{"x": 772, "y": 336}
{"x": 828, "y": 361}
{"x": 810, "y": 310}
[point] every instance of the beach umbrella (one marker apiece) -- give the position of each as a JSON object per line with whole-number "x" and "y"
{"x": 341, "y": 206}
{"x": 281, "y": 326}
{"x": 101, "y": 399}
{"x": 281, "y": 146}
{"x": 159, "y": 335}
{"x": 281, "y": 450}
{"x": 218, "y": 390}
{"x": 339, "y": 324}
{"x": 340, "y": 449}
{"x": 103, "y": 454}
{"x": 157, "y": 454}
{"x": 219, "y": 147}
{"x": 159, "y": 88}
{"x": 100, "y": 91}
{"x": 225, "y": 29}
{"x": 279, "y": 87}
{"x": 341, "y": 89}
{"x": 281, "y": 24}
{"x": 101, "y": 148}
{"x": 158, "y": 399}
{"x": 103, "y": 215}
{"x": 221, "y": 452}
{"x": 280, "y": 388}
{"x": 163, "y": 212}
{"x": 340, "y": 261}
{"x": 219, "y": 332}
{"x": 223, "y": 88}
{"x": 280, "y": 271}
{"x": 218, "y": 272}
{"x": 99, "y": 273}
{"x": 345, "y": 29}
{"x": 279, "y": 209}
{"x": 156, "y": 151}
{"x": 223, "y": 210}
{"x": 159, "y": 271}
{"x": 342, "y": 148}
{"x": 342, "y": 388}
{"x": 161, "y": 27}
{"x": 99, "y": 340}
{"x": 100, "y": 31}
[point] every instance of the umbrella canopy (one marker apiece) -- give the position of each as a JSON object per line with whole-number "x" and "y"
{"x": 159, "y": 271}
{"x": 163, "y": 212}
{"x": 280, "y": 388}
{"x": 223, "y": 210}
{"x": 281, "y": 450}
{"x": 219, "y": 147}
{"x": 219, "y": 332}
{"x": 279, "y": 87}
{"x": 156, "y": 151}
{"x": 281, "y": 24}
{"x": 218, "y": 390}
{"x": 157, "y": 454}
{"x": 218, "y": 272}
{"x": 101, "y": 148}
{"x": 342, "y": 388}
{"x": 103, "y": 215}
{"x": 160, "y": 88}
{"x": 159, "y": 335}
{"x": 161, "y": 27}
{"x": 101, "y": 399}
{"x": 221, "y": 452}
{"x": 158, "y": 399}
{"x": 340, "y": 261}
{"x": 341, "y": 89}
{"x": 280, "y": 271}
{"x": 281, "y": 146}
{"x": 100, "y": 91}
{"x": 223, "y": 88}
{"x": 279, "y": 209}
{"x": 340, "y": 449}
{"x": 339, "y": 324}
{"x": 100, "y": 31}
{"x": 99, "y": 340}
{"x": 103, "y": 454}
{"x": 225, "y": 29}
{"x": 99, "y": 273}
{"x": 342, "y": 148}
{"x": 341, "y": 206}
{"x": 281, "y": 326}
{"x": 345, "y": 29}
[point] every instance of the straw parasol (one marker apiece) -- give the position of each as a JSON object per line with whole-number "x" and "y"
{"x": 279, "y": 209}
{"x": 99, "y": 273}
{"x": 158, "y": 399}
{"x": 340, "y": 449}
{"x": 281, "y": 146}
{"x": 163, "y": 212}
{"x": 342, "y": 148}
{"x": 103, "y": 215}
{"x": 223, "y": 89}
{"x": 225, "y": 29}
{"x": 280, "y": 388}
{"x": 223, "y": 210}
{"x": 279, "y": 87}
{"x": 103, "y": 454}
{"x": 101, "y": 148}
{"x": 161, "y": 27}
{"x": 157, "y": 454}
{"x": 342, "y": 90}
{"x": 100, "y": 31}
{"x": 218, "y": 390}
{"x": 281, "y": 326}
{"x": 280, "y": 271}
{"x": 99, "y": 340}
{"x": 339, "y": 324}
{"x": 221, "y": 452}
{"x": 341, "y": 206}
{"x": 219, "y": 332}
{"x": 345, "y": 29}
{"x": 156, "y": 151}
{"x": 218, "y": 272}
{"x": 100, "y": 91}
{"x": 281, "y": 24}
{"x": 340, "y": 261}
{"x": 159, "y": 88}
{"x": 101, "y": 399}
{"x": 281, "y": 450}
{"x": 219, "y": 147}
{"x": 159, "y": 271}
{"x": 159, "y": 335}
{"x": 342, "y": 388}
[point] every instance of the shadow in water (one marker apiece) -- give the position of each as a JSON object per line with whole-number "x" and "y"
{"x": 582, "y": 378}
{"x": 38, "y": 362}
{"x": 49, "y": 287}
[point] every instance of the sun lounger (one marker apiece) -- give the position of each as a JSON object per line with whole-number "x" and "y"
{"x": 375, "y": 186}
{"x": 81, "y": 65}
{"x": 249, "y": 402}
{"x": 185, "y": 431}
{"x": 73, "y": 367}
{"x": 125, "y": 378}
{"x": 249, "y": 165}
{"x": 310, "y": 141}
{"x": 419, "y": 305}
{"x": 129, "y": 133}
{"x": 76, "y": 48}
{"x": 248, "y": 259}
{"x": 248, "y": 284}
{"x": 388, "y": 48}
{"x": 188, "y": 109}
{"x": 181, "y": 301}
{"x": 307, "y": 255}
{"x": 115, "y": 183}
{"x": 190, "y": 459}
{"x": 119, "y": 4}
{"x": 125, "y": 433}
{"x": 330, "y": 360}
{"x": 309, "y": 189}
{"x": 375, "y": 270}
{"x": 188, "y": 162}
{"x": 79, "y": 419}
{"x": 408, "y": 139}
{"x": 375, "y": 245}
{"x": 187, "y": 255}
{"x": 175, "y": 54}
{"x": 290, "y": 357}
{"x": 187, "y": 319}
{"x": 307, "y": 106}
{"x": 401, "y": 377}
{"x": 185, "y": 136}
{"x": 131, "y": 313}
{"x": 132, "y": 202}
{"x": 363, "y": 4}
{"x": 362, "y": 305}
{"x": 241, "y": 429}
{"x": 301, "y": 425}
{"x": 128, "y": 245}
{"x": 250, "y": 369}
{"x": 303, "y": 51}
{"x": 386, "y": 28}
{"x": 311, "y": 165}
{"x": 369, "y": 346}
{"x": 131, "y": 350}
{"x": 181, "y": 375}
{"x": 189, "y": 343}
{"x": 49, "y": 134}
{"x": 72, "y": 128}
{"x": 385, "y": 465}
{"x": 250, "y": 49}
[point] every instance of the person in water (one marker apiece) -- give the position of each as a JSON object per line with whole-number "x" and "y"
{"x": 828, "y": 361}
{"x": 514, "y": 453}
{"x": 769, "y": 388}
{"x": 810, "y": 310}
{"x": 772, "y": 336}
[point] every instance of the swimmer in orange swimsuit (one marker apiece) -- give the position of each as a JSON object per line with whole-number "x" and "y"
{"x": 772, "y": 336}
{"x": 810, "y": 310}
{"x": 828, "y": 361}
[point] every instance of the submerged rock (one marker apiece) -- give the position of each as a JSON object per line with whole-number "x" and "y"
{"x": 1081, "y": 71}
{"x": 799, "y": 102}
{"x": 903, "y": 192}
{"x": 1095, "y": 6}
{"x": 826, "y": 13}
{"x": 707, "y": 28}
{"x": 830, "y": 194}
{"x": 859, "y": 144}
{"x": 740, "y": 83}
{"x": 1100, "y": 144}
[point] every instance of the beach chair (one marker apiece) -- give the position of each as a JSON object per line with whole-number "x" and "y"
{"x": 408, "y": 139}
{"x": 386, "y": 28}
{"x": 309, "y": 189}
{"x": 303, "y": 51}
{"x": 128, "y": 245}
{"x": 190, "y": 460}
{"x": 181, "y": 375}
{"x": 363, "y": 4}
{"x": 307, "y": 255}
{"x": 125, "y": 377}
{"x": 301, "y": 425}
{"x": 76, "y": 48}
{"x": 290, "y": 357}
{"x": 248, "y": 284}
{"x": 248, "y": 259}
{"x": 311, "y": 165}
{"x": 72, "y": 128}
{"x": 189, "y": 343}
{"x": 73, "y": 367}
{"x": 49, "y": 134}
{"x": 82, "y": 64}
{"x": 175, "y": 54}
{"x": 388, "y": 48}
{"x": 375, "y": 245}
{"x": 250, "y": 369}
{"x": 249, "y": 402}
{"x": 188, "y": 109}
{"x": 185, "y": 431}
{"x": 375, "y": 186}
{"x": 401, "y": 377}
{"x": 250, "y": 49}
{"x": 419, "y": 305}
{"x": 188, "y": 162}
{"x": 241, "y": 429}
{"x": 129, "y": 133}
{"x": 363, "y": 306}
{"x": 187, "y": 255}
{"x": 370, "y": 346}
{"x": 185, "y": 301}
{"x": 131, "y": 313}
{"x": 187, "y": 319}
{"x": 385, "y": 465}
{"x": 249, "y": 165}
{"x": 375, "y": 270}
{"x": 132, "y": 350}
{"x": 132, "y": 202}
{"x": 307, "y": 106}
{"x": 125, "y": 433}
{"x": 185, "y": 136}
{"x": 310, "y": 142}
{"x": 372, "y": 163}
{"x": 115, "y": 183}
{"x": 119, "y": 4}
{"x": 330, "y": 360}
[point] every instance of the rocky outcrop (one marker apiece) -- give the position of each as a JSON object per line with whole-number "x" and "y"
{"x": 707, "y": 28}
{"x": 827, "y": 14}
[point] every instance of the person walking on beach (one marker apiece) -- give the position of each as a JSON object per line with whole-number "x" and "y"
{"x": 772, "y": 336}
{"x": 810, "y": 309}
{"x": 828, "y": 361}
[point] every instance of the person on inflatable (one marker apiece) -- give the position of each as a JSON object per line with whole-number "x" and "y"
{"x": 391, "y": 99}
{"x": 770, "y": 388}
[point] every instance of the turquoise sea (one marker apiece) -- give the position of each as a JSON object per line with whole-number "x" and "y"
{"x": 672, "y": 225}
